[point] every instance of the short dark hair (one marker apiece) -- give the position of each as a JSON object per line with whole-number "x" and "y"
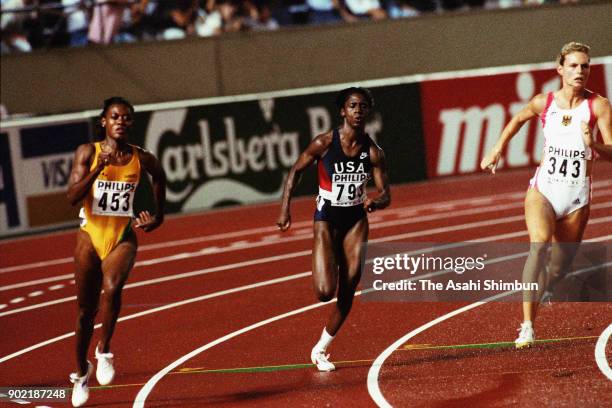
{"x": 115, "y": 100}
{"x": 344, "y": 94}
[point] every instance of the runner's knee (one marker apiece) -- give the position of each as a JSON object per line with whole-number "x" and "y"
{"x": 324, "y": 292}
{"x": 87, "y": 312}
{"x": 113, "y": 288}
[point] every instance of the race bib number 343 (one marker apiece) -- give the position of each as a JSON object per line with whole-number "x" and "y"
{"x": 565, "y": 170}
{"x": 113, "y": 198}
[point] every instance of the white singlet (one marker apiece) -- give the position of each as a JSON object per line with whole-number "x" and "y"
{"x": 561, "y": 176}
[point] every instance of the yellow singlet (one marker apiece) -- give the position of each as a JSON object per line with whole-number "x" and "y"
{"x": 108, "y": 207}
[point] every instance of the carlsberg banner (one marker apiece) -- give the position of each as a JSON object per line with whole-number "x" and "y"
{"x": 240, "y": 152}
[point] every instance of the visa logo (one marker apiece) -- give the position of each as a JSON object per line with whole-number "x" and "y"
{"x": 56, "y": 172}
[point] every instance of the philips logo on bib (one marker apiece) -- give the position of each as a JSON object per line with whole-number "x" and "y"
{"x": 569, "y": 153}
{"x": 348, "y": 173}
{"x": 113, "y": 198}
{"x": 348, "y": 184}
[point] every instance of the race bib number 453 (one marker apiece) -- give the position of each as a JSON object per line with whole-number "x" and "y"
{"x": 113, "y": 198}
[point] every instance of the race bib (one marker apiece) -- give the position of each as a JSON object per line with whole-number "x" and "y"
{"x": 113, "y": 198}
{"x": 348, "y": 189}
{"x": 563, "y": 170}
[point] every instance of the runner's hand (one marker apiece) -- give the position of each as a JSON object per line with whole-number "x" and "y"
{"x": 284, "y": 222}
{"x": 369, "y": 205}
{"x": 104, "y": 159}
{"x": 490, "y": 161}
{"x": 147, "y": 222}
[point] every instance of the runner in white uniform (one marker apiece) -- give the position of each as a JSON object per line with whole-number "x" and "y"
{"x": 557, "y": 204}
{"x": 561, "y": 176}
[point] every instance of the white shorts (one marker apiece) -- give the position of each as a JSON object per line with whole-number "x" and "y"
{"x": 563, "y": 198}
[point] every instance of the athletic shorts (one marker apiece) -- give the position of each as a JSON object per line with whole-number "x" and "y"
{"x": 342, "y": 218}
{"x": 564, "y": 199}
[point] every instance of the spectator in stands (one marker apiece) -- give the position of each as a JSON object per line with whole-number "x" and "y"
{"x": 365, "y": 9}
{"x": 224, "y": 17}
{"x": 328, "y": 11}
{"x": 77, "y": 23}
{"x": 290, "y": 12}
{"x": 400, "y": 9}
{"x": 259, "y": 16}
{"x": 176, "y": 19}
{"x": 106, "y": 20}
{"x": 14, "y": 35}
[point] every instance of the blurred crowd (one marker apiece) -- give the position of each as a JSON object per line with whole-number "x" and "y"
{"x": 41, "y": 24}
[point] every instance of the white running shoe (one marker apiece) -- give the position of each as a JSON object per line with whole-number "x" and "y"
{"x": 526, "y": 336}
{"x": 318, "y": 358}
{"x": 105, "y": 372}
{"x": 80, "y": 389}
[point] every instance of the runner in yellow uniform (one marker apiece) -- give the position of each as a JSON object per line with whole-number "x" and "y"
{"x": 105, "y": 176}
{"x": 107, "y": 209}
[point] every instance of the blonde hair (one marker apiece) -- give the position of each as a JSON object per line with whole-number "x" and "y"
{"x": 572, "y": 47}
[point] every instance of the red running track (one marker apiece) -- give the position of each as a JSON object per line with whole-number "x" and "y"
{"x": 226, "y": 287}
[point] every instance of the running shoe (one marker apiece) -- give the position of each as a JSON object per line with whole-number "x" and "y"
{"x": 526, "y": 336}
{"x": 80, "y": 389}
{"x": 105, "y": 372}
{"x": 320, "y": 359}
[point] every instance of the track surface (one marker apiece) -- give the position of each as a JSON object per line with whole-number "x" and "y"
{"x": 226, "y": 287}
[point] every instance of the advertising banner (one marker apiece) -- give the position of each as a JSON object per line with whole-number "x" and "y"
{"x": 35, "y": 166}
{"x": 241, "y": 152}
{"x": 213, "y": 154}
{"x": 464, "y": 117}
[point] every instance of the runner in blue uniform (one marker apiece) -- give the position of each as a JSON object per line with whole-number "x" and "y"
{"x": 346, "y": 158}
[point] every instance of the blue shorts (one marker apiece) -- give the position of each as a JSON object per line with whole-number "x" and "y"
{"x": 342, "y": 218}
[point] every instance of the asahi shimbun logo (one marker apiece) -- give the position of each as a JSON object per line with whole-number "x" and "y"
{"x": 208, "y": 170}
{"x": 567, "y": 119}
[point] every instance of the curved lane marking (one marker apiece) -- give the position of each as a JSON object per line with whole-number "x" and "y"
{"x": 600, "y": 352}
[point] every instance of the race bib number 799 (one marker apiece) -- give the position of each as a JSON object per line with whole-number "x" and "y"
{"x": 113, "y": 198}
{"x": 347, "y": 194}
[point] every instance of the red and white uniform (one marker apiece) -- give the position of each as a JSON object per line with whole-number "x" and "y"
{"x": 561, "y": 176}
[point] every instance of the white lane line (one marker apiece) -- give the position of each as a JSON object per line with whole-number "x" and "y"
{"x": 297, "y": 235}
{"x": 33, "y": 265}
{"x": 35, "y": 293}
{"x": 217, "y": 250}
{"x": 395, "y": 223}
{"x": 172, "y": 277}
{"x": 36, "y": 282}
{"x": 372, "y": 379}
{"x": 600, "y": 352}
{"x": 57, "y": 287}
{"x": 374, "y": 372}
{"x": 161, "y": 308}
{"x": 180, "y": 303}
{"x": 148, "y": 387}
{"x": 17, "y": 300}
{"x": 3, "y": 306}
{"x": 234, "y": 234}
{"x": 144, "y": 392}
{"x": 272, "y": 259}
{"x": 236, "y": 265}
